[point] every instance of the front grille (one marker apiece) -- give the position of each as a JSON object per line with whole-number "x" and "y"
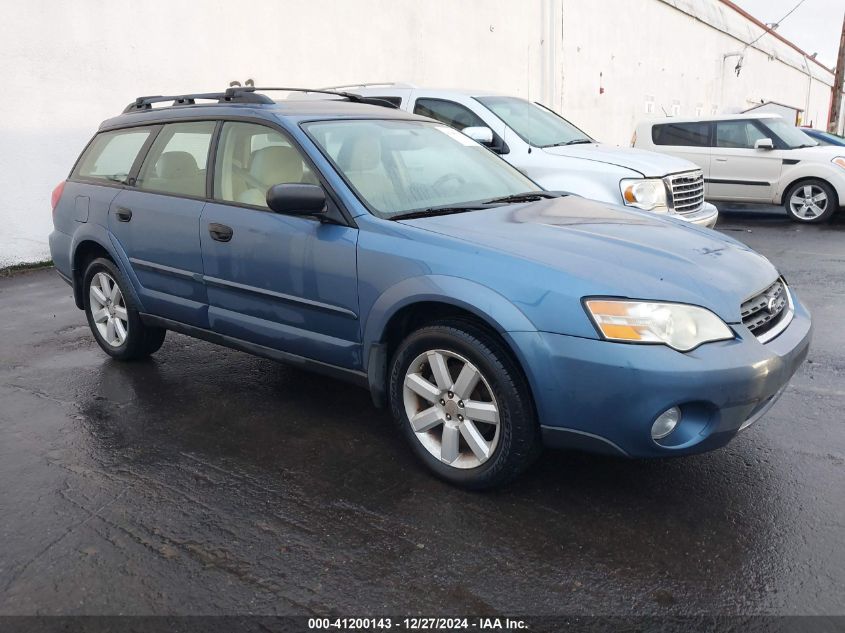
{"x": 687, "y": 191}
{"x": 762, "y": 313}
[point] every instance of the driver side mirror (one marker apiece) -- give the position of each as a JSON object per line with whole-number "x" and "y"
{"x": 481, "y": 134}
{"x": 297, "y": 199}
{"x": 764, "y": 143}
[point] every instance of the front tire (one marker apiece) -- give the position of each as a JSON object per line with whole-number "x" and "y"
{"x": 113, "y": 316}
{"x": 810, "y": 202}
{"x": 464, "y": 405}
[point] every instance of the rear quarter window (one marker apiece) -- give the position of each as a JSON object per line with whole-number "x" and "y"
{"x": 681, "y": 134}
{"x": 111, "y": 155}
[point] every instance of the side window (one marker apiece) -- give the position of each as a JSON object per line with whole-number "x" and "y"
{"x": 737, "y": 134}
{"x": 176, "y": 162}
{"x": 448, "y": 112}
{"x": 252, "y": 158}
{"x": 681, "y": 134}
{"x": 110, "y": 155}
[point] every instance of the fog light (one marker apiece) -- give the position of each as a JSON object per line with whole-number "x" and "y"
{"x": 665, "y": 423}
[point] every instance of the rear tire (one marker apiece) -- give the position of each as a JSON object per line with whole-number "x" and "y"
{"x": 810, "y": 202}
{"x": 474, "y": 423}
{"x": 113, "y": 315}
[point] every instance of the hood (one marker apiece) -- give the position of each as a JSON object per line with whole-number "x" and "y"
{"x": 819, "y": 153}
{"x": 577, "y": 247}
{"x": 649, "y": 164}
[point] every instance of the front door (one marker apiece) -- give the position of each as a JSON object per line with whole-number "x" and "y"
{"x": 279, "y": 281}
{"x": 157, "y": 222}
{"x": 737, "y": 170}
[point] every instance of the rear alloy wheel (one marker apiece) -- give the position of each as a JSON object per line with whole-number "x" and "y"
{"x": 113, "y": 317}
{"x": 810, "y": 201}
{"x": 464, "y": 405}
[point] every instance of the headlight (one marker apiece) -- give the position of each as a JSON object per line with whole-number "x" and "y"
{"x": 648, "y": 193}
{"x": 681, "y": 327}
{"x": 839, "y": 160}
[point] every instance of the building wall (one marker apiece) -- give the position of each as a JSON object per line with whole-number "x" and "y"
{"x": 67, "y": 66}
{"x": 627, "y": 60}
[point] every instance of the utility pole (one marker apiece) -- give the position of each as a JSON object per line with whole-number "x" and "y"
{"x": 838, "y": 85}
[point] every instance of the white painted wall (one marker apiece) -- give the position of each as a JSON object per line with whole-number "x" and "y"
{"x": 656, "y": 56}
{"x": 67, "y": 66}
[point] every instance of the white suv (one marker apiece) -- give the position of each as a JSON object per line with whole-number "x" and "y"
{"x": 556, "y": 154}
{"x": 755, "y": 158}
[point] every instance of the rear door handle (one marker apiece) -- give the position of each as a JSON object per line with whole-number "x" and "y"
{"x": 721, "y": 160}
{"x": 220, "y": 232}
{"x": 123, "y": 214}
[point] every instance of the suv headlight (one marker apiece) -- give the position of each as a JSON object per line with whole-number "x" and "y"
{"x": 644, "y": 193}
{"x": 680, "y": 326}
{"x": 839, "y": 160}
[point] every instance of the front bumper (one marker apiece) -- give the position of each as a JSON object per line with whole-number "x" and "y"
{"x": 603, "y": 397}
{"x": 706, "y": 216}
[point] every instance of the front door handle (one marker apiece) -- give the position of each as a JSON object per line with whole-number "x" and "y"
{"x": 220, "y": 232}
{"x": 123, "y": 214}
{"x": 721, "y": 160}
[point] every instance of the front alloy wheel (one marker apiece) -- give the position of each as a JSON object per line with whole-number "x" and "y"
{"x": 810, "y": 202}
{"x": 464, "y": 404}
{"x": 456, "y": 420}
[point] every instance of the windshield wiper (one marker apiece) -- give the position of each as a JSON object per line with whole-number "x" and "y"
{"x": 577, "y": 141}
{"x": 528, "y": 196}
{"x": 432, "y": 211}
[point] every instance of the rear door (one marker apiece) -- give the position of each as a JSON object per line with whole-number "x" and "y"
{"x": 737, "y": 170}
{"x": 157, "y": 222}
{"x": 280, "y": 281}
{"x": 690, "y": 141}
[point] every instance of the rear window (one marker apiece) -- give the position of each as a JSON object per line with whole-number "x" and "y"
{"x": 110, "y": 155}
{"x": 683, "y": 134}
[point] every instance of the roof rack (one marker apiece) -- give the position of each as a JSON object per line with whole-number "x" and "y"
{"x": 241, "y": 94}
{"x": 372, "y": 84}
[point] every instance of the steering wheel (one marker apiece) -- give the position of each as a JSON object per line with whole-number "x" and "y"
{"x": 460, "y": 180}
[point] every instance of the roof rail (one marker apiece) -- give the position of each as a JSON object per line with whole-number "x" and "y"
{"x": 241, "y": 94}
{"x": 351, "y": 96}
{"x": 146, "y": 103}
{"x": 392, "y": 84}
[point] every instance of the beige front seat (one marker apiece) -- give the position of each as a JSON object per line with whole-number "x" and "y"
{"x": 271, "y": 166}
{"x": 361, "y": 161}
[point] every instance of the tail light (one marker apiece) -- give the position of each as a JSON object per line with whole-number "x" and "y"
{"x": 57, "y": 194}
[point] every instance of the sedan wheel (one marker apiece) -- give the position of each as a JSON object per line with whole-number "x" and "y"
{"x": 108, "y": 309}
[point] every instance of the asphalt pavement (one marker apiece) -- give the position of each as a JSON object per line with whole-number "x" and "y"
{"x": 207, "y": 481}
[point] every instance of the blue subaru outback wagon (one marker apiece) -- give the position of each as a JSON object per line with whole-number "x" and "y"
{"x": 492, "y": 317}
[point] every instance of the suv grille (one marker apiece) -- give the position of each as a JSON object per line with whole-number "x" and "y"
{"x": 763, "y": 313}
{"x": 687, "y": 191}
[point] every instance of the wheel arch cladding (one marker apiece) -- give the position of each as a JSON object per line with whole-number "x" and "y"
{"x": 95, "y": 242}
{"x": 425, "y": 299}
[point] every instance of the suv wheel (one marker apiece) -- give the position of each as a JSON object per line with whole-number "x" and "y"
{"x": 113, "y": 317}
{"x": 810, "y": 201}
{"x": 463, "y": 405}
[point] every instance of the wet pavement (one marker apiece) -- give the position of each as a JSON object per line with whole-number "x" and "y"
{"x": 207, "y": 481}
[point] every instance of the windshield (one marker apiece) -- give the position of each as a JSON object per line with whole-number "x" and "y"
{"x": 789, "y": 134}
{"x": 399, "y": 166}
{"x": 536, "y": 125}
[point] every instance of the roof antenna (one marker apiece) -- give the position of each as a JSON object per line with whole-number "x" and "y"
{"x": 666, "y": 114}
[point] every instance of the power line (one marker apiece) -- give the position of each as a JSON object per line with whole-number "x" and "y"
{"x": 776, "y": 24}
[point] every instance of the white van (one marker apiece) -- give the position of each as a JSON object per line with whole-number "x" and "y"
{"x": 556, "y": 154}
{"x": 755, "y": 158}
